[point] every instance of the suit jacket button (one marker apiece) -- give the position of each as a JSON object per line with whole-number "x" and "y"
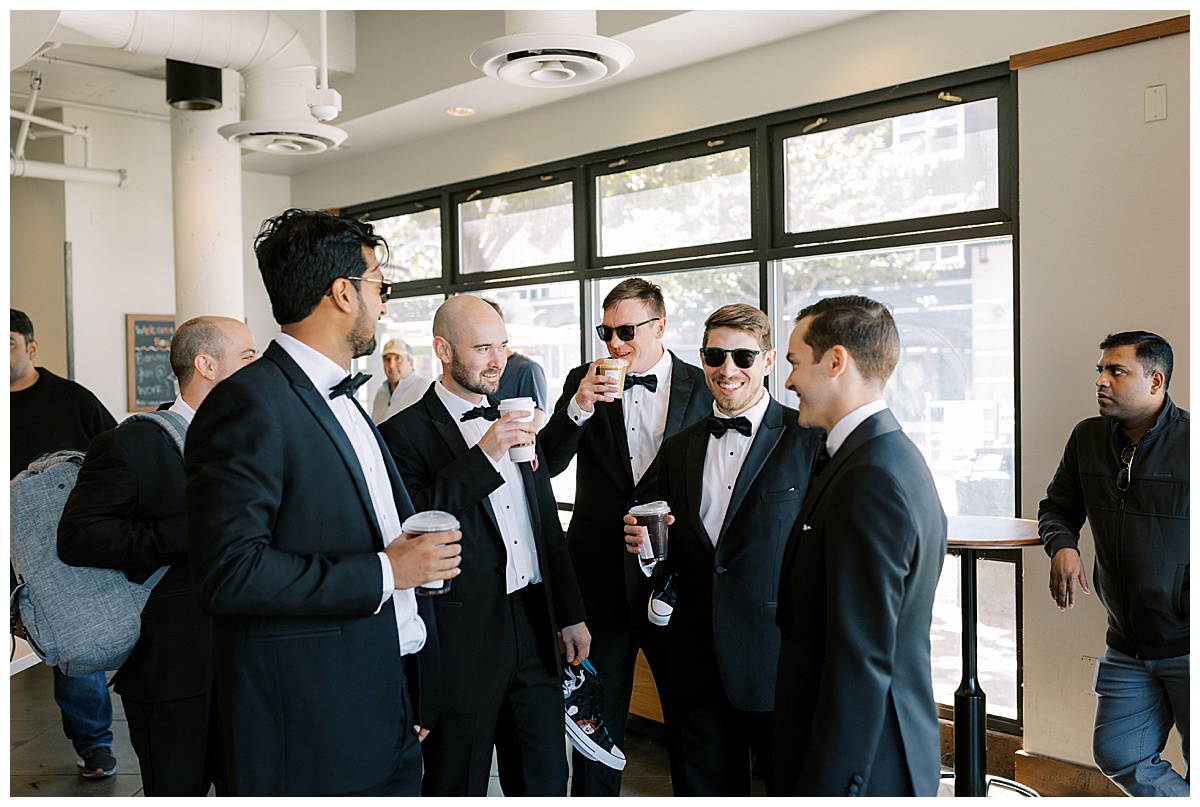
{"x": 719, "y": 570}
{"x": 501, "y": 569}
{"x": 856, "y": 779}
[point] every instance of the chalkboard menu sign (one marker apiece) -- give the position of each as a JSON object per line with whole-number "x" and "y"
{"x": 148, "y": 360}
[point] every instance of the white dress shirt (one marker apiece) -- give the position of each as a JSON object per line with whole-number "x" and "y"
{"x": 508, "y": 501}
{"x": 325, "y": 374}
{"x": 645, "y": 414}
{"x": 181, "y": 408}
{"x": 723, "y": 459}
{"x": 839, "y": 433}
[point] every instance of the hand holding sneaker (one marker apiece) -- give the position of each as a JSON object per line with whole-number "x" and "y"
{"x": 583, "y": 699}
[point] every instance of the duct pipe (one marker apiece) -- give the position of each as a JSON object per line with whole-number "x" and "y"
{"x": 206, "y": 189}
{"x": 35, "y": 86}
{"x": 18, "y": 167}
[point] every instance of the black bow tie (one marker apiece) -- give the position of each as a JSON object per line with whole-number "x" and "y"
{"x": 718, "y": 426}
{"x": 822, "y": 460}
{"x": 485, "y": 412}
{"x": 650, "y": 382}
{"x": 348, "y": 385}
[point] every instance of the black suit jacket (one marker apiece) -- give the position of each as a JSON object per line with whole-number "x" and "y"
{"x": 283, "y": 539}
{"x": 724, "y": 617}
{"x": 441, "y": 473}
{"x": 127, "y": 512}
{"x": 608, "y": 575}
{"x": 854, "y": 695}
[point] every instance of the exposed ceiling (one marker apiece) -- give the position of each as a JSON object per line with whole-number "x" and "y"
{"x": 398, "y": 71}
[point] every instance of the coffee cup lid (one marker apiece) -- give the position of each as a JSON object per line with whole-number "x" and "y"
{"x": 429, "y": 521}
{"x": 517, "y": 405}
{"x": 651, "y": 509}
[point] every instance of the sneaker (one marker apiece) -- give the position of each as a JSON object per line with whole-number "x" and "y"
{"x": 583, "y": 698}
{"x": 662, "y": 603}
{"x": 99, "y": 763}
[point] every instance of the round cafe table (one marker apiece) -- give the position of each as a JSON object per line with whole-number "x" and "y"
{"x": 967, "y": 536}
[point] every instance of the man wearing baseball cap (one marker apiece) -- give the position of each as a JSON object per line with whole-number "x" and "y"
{"x": 404, "y": 386}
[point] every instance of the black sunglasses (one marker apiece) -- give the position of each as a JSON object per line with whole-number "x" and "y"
{"x": 1123, "y": 474}
{"x": 624, "y": 331}
{"x": 385, "y": 287}
{"x": 743, "y": 357}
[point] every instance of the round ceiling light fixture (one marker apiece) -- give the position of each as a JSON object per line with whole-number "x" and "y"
{"x": 534, "y": 54}
{"x": 283, "y": 137}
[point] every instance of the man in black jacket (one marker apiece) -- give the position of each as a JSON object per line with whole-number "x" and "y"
{"x": 127, "y": 512}
{"x": 1126, "y": 472}
{"x": 615, "y": 435}
{"x": 294, "y": 513}
{"x": 501, "y": 676}
{"x": 735, "y": 482}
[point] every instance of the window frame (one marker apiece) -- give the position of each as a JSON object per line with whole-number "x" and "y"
{"x": 769, "y": 241}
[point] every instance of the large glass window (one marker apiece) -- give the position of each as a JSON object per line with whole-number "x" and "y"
{"x": 699, "y": 200}
{"x": 528, "y": 228}
{"x": 415, "y": 244}
{"x": 921, "y": 164}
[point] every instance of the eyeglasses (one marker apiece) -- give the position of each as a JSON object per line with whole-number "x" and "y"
{"x": 743, "y": 357}
{"x": 1123, "y": 474}
{"x": 625, "y": 332}
{"x": 385, "y": 287}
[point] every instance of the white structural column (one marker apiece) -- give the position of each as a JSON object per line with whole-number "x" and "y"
{"x": 206, "y": 187}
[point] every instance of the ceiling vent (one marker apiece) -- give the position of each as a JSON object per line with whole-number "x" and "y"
{"x": 286, "y": 137}
{"x": 551, "y": 49}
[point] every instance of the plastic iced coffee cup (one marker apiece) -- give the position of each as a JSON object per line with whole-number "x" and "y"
{"x": 524, "y": 452}
{"x": 430, "y": 521}
{"x": 615, "y": 369}
{"x": 653, "y": 517}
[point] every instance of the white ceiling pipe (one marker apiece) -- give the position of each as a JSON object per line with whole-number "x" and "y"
{"x": 40, "y": 170}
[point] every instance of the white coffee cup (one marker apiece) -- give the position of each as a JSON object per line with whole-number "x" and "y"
{"x": 524, "y": 452}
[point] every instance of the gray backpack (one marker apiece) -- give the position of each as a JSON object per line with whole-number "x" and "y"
{"x": 79, "y": 619}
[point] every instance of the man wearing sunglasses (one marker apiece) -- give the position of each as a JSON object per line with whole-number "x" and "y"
{"x": 735, "y": 482}
{"x": 615, "y": 436}
{"x": 1126, "y": 473}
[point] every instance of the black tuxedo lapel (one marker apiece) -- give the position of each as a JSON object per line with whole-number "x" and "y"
{"x": 681, "y": 393}
{"x": 615, "y": 412}
{"x": 770, "y": 431}
{"x": 448, "y": 430}
{"x": 696, "y": 450}
{"x": 874, "y": 426}
{"x": 316, "y": 403}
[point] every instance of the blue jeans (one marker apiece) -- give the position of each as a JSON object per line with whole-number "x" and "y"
{"x": 86, "y": 710}
{"x": 1138, "y": 701}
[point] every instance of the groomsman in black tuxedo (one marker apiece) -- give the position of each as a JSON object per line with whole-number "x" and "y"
{"x": 294, "y": 512}
{"x": 498, "y": 625}
{"x": 854, "y": 708}
{"x": 127, "y": 512}
{"x": 615, "y": 435}
{"x": 735, "y": 482}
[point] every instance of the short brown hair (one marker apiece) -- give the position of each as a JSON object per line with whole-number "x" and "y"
{"x": 197, "y": 335}
{"x": 637, "y": 288}
{"x": 862, "y": 326}
{"x": 740, "y": 317}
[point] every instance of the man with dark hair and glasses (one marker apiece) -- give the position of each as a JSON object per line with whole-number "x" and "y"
{"x": 1126, "y": 473}
{"x": 294, "y": 512}
{"x": 615, "y": 436}
{"x": 735, "y": 482}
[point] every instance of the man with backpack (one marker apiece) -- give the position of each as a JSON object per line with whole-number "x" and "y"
{"x": 127, "y": 512}
{"x": 49, "y": 413}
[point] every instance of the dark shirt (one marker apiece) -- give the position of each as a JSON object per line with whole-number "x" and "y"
{"x": 55, "y": 413}
{"x": 523, "y": 378}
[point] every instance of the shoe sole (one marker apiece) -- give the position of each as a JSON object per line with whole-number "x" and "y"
{"x": 98, "y": 773}
{"x": 584, "y": 744}
{"x": 657, "y": 618}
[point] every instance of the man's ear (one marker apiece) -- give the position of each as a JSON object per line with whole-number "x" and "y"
{"x": 837, "y": 359}
{"x": 442, "y": 349}
{"x": 32, "y": 348}
{"x": 205, "y": 366}
{"x": 343, "y": 294}
{"x": 1158, "y": 382}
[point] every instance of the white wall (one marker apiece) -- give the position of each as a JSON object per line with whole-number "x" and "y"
{"x": 864, "y": 54}
{"x": 122, "y": 242}
{"x": 1104, "y": 248}
{"x": 263, "y": 196}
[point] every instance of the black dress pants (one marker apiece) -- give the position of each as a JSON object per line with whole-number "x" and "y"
{"x": 171, "y": 742}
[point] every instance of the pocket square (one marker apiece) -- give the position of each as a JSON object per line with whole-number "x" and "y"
{"x": 805, "y": 528}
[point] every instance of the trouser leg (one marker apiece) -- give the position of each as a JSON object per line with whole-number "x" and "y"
{"x": 171, "y": 742}
{"x": 86, "y": 708}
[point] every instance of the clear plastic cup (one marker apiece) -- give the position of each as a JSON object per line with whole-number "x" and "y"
{"x": 615, "y": 369}
{"x": 422, "y": 523}
{"x": 653, "y": 517}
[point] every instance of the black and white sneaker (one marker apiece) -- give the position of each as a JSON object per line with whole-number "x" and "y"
{"x": 99, "y": 763}
{"x": 662, "y": 603}
{"x": 583, "y": 700}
